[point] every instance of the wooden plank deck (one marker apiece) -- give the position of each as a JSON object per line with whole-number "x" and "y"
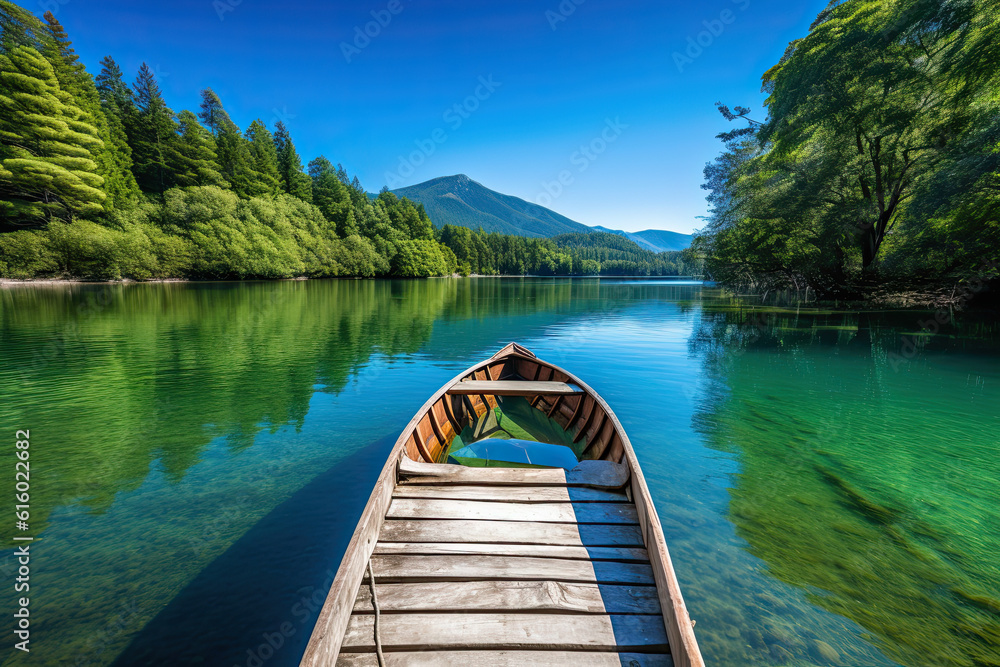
{"x": 506, "y": 658}
{"x": 471, "y": 572}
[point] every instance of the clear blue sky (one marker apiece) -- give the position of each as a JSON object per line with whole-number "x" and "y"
{"x": 560, "y": 83}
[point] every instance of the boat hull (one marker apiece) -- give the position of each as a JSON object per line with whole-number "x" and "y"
{"x": 522, "y": 536}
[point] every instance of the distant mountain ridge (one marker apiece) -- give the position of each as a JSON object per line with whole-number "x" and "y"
{"x": 657, "y": 240}
{"x": 459, "y": 200}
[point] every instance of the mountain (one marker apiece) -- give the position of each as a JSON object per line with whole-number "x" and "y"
{"x": 657, "y": 240}
{"x": 461, "y": 201}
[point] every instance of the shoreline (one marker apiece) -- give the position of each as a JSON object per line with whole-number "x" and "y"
{"x": 12, "y": 282}
{"x": 901, "y": 301}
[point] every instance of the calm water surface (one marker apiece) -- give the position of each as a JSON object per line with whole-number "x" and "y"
{"x": 201, "y": 453}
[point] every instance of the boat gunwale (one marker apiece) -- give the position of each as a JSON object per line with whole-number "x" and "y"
{"x": 323, "y": 650}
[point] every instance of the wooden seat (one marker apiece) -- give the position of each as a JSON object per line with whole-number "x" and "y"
{"x": 512, "y": 388}
{"x": 593, "y": 474}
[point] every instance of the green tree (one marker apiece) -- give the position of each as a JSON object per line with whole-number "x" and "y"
{"x": 112, "y": 88}
{"x": 47, "y": 146}
{"x": 264, "y": 160}
{"x": 406, "y": 217}
{"x": 119, "y": 110}
{"x": 870, "y": 117}
{"x": 72, "y": 74}
{"x": 331, "y": 196}
{"x": 293, "y": 180}
{"x": 212, "y": 114}
{"x": 17, "y": 27}
{"x": 113, "y": 158}
{"x": 232, "y": 148}
{"x": 155, "y": 134}
{"x": 195, "y": 157}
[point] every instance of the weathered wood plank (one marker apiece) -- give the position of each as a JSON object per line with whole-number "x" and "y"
{"x": 595, "y": 443}
{"x": 511, "y": 532}
{"x": 554, "y": 406}
{"x": 512, "y": 388}
{"x": 509, "y": 596}
{"x": 586, "y": 424}
{"x": 512, "y": 494}
{"x": 575, "y": 632}
{"x": 449, "y": 411}
{"x": 392, "y": 569}
{"x": 421, "y": 445}
{"x": 411, "y": 508}
{"x": 438, "y": 433}
{"x": 624, "y": 554}
{"x": 507, "y": 659}
{"x": 576, "y": 412}
{"x": 594, "y": 474}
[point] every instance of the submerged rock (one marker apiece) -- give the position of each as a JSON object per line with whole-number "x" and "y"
{"x": 820, "y": 650}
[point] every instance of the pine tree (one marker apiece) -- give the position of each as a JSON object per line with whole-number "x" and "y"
{"x": 154, "y": 133}
{"x": 69, "y": 70}
{"x": 16, "y": 28}
{"x": 232, "y": 148}
{"x": 113, "y": 158}
{"x": 119, "y": 108}
{"x": 111, "y": 85}
{"x": 342, "y": 174}
{"x": 235, "y": 161}
{"x": 47, "y": 145}
{"x": 332, "y": 198}
{"x": 194, "y": 157}
{"x": 293, "y": 180}
{"x": 212, "y": 115}
{"x": 267, "y": 180}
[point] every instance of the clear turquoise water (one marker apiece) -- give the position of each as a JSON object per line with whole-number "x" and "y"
{"x": 201, "y": 453}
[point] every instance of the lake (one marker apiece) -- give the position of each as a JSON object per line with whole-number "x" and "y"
{"x": 828, "y": 482}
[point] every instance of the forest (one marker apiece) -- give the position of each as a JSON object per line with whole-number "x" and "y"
{"x": 101, "y": 180}
{"x": 597, "y": 253}
{"x": 877, "y": 166}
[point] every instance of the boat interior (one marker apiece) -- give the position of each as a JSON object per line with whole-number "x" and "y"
{"x": 515, "y": 411}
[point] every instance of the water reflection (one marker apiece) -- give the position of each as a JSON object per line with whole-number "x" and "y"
{"x": 868, "y": 484}
{"x": 187, "y": 436}
{"x": 168, "y": 420}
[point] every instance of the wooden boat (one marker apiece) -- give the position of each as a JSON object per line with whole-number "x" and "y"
{"x": 486, "y": 566}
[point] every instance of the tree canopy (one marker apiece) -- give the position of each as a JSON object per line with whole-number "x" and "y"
{"x": 844, "y": 185}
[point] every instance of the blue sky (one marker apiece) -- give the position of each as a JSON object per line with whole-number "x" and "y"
{"x": 581, "y": 107}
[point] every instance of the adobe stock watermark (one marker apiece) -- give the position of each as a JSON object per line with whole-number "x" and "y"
{"x": 582, "y": 158}
{"x": 223, "y": 7}
{"x": 565, "y": 9}
{"x": 455, "y": 116}
{"x": 363, "y": 35}
{"x": 52, "y": 5}
{"x": 714, "y": 28}
{"x": 282, "y": 115}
